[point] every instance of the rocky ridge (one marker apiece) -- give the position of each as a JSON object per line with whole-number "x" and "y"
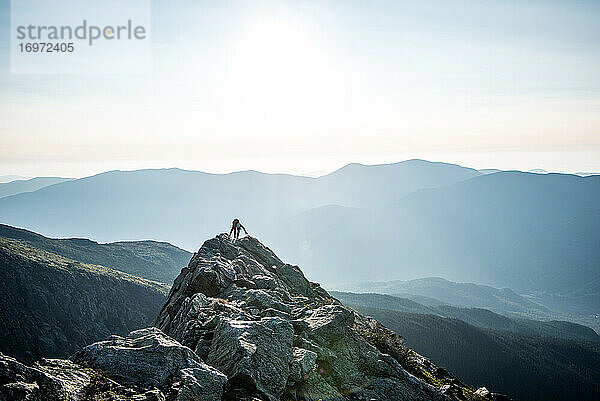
{"x": 240, "y": 324}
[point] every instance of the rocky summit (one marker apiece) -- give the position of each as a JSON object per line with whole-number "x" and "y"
{"x": 240, "y": 324}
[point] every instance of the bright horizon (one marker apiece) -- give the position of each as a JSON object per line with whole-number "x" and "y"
{"x": 308, "y": 173}
{"x": 305, "y": 88}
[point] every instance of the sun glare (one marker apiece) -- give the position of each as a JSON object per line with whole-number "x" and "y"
{"x": 280, "y": 64}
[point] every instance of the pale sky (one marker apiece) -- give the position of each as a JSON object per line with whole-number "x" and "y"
{"x": 307, "y": 86}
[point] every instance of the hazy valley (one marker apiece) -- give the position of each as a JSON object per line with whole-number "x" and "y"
{"x": 493, "y": 275}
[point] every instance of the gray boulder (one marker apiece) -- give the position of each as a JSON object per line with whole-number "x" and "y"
{"x": 200, "y": 384}
{"x": 256, "y": 353}
{"x": 148, "y": 358}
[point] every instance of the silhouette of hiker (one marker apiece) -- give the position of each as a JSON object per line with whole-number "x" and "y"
{"x": 236, "y": 226}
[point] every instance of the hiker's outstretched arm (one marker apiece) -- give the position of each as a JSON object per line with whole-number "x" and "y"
{"x": 244, "y": 228}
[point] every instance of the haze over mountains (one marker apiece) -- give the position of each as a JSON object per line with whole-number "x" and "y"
{"x": 14, "y": 187}
{"x": 435, "y": 291}
{"x": 534, "y": 233}
{"x": 479, "y": 317}
{"x": 11, "y": 177}
{"x": 183, "y": 207}
{"x": 521, "y": 230}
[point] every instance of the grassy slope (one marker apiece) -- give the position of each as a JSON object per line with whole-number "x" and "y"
{"x": 52, "y": 305}
{"x": 159, "y": 261}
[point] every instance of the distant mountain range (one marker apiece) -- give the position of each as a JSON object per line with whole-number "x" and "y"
{"x": 20, "y": 186}
{"x": 478, "y": 317}
{"x": 158, "y": 261}
{"x": 435, "y": 291}
{"x": 534, "y": 233}
{"x": 524, "y": 231}
{"x": 11, "y": 177}
{"x": 184, "y": 207}
{"x": 535, "y": 170}
{"x": 440, "y": 296}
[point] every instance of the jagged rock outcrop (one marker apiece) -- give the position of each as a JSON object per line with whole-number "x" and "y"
{"x": 278, "y": 336}
{"x": 241, "y": 325}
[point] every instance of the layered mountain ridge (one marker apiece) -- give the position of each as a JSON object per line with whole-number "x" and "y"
{"x": 240, "y": 324}
{"x": 534, "y": 233}
{"x": 152, "y": 260}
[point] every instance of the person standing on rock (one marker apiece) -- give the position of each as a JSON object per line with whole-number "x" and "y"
{"x": 236, "y": 227}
